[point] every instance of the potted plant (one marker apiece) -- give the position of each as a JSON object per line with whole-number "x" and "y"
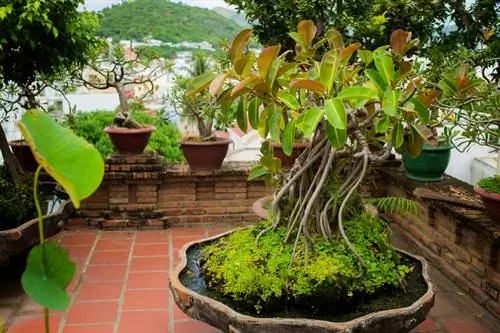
{"x": 489, "y": 190}
{"x": 134, "y": 74}
{"x": 320, "y": 256}
{"x": 208, "y": 111}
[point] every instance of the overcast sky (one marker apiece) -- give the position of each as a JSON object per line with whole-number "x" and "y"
{"x": 100, "y": 4}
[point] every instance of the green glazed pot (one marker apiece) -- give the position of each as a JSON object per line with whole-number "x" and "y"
{"x": 430, "y": 165}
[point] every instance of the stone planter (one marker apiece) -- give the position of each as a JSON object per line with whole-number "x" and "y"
{"x": 18, "y": 240}
{"x": 219, "y": 315}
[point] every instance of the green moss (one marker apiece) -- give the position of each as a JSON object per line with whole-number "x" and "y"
{"x": 259, "y": 276}
{"x": 491, "y": 184}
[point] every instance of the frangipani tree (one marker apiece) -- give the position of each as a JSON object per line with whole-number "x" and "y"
{"x": 354, "y": 105}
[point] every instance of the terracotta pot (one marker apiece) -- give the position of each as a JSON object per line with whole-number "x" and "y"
{"x": 130, "y": 141}
{"x": 205, "y": 155}
{"x": 219, "y": 315}
{"x": 288, "y": 161}
{"x": 23, "y": 153}
{"x": 491, "y": 202}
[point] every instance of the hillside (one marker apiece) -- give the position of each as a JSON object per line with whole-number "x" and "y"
{"x": 166, "y": 21}
{"x": 232, "y": 15}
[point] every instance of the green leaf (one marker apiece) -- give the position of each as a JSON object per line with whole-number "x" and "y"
{"x": 298, "y": 39}
{"x": 253, "y": 112}
{"x": 273, "y": 71}
{"x": 335, "y": 113}
{"x": 263, "y": 127}
{"x": 375, "y": 77}
{"x": 391, "y": 102}
{"x": 275, "y": 125}
{"x": 289, "y": 137}
{"x": 366, "y": 56}
{"x": 382, "y": 124}
{"x": 48, "y": 273}
{"x": 266, "y": 58}
{"x": 336, "y": 137}
{"x": 312, "y": 117}
{"x": 384, "y": 65}
{"x": 239, "y": 44}
{"x": 307, "y": 30}
{"x": 328, "y": 69}
{"x": 398, "y": 135}
{"x": 289, "y": 100}
{"x": 422, "y": 111}
{"x": 241, "y": 115}
{"x": 357, "y": 93}
{"x": 74, "y": 163}
{"x": 258, "y": 171}
{"x": 200, "y": 83}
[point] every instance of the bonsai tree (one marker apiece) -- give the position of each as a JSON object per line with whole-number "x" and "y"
{"x": 355, "y": 106}
{"x": 40, "y": 41}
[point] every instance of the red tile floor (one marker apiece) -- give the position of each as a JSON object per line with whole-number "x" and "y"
{"x": 122, "y": 287}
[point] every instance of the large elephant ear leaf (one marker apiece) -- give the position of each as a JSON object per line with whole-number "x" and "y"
{"x": 74, "y": 163}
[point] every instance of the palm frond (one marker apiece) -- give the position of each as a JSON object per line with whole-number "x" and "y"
{"x": 396, "y": 205}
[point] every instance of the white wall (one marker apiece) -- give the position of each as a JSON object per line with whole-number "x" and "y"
{"x": 464, "y": 166}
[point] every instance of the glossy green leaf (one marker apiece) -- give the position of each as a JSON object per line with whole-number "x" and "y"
{"x": 74, "y": 163}
{"x": 366, "y": 56}
{"x": 335, "y": 113}
{"x": 253, "y": 112}
{"x": 263, "y": 127}
{"x": 398, "y": 135}
{"x": 48, "y": 273}
{"x": 241, "y": 115}
{"x": 239, "y": 44}
{"x": 426, "y": 134}
{"x": 375, "y": 77}
{"x": 414, "y": 144}
{"x": 289, "y": 100}
{"x": 273, "y": 72}
{"x": 390, "y": 102}
{"x": 357, "y": 93}
{"x": 384, "y": 65}
{"x": 200, "y": 83}
{"x": 336, "y": 137}
{"x": 275, "y": 120}
{"x": 298, "y": 39}
{"x": 312, "y": 117}
{"x": 422, "y": 111}
{"x": 289, "y": 137}
{"x": 328, "y": 69}
{"x": 382, "y": 124}
{"x": 257, "y": 172}
{"x": 307, "y": 30}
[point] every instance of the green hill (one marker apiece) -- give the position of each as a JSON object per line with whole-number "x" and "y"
{"x": 165, "y": 21}
{"x": 239, "y": 18}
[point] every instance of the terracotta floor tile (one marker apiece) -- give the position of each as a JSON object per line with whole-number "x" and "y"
{"x": 146, "y": 299}
{"x": 78, "y": 239}
{"x": 99, "y": 328}
{"x": 92, "y": 312}
{"x": 109, "y": 258}
{"x": 105, "y": 273}
{"x": 193, "y": 326}
{"x": 78, "y": 252}
{"x": 34, "y": 324}
{"x": 428, "y": 325}
{"x": 463, "y": 326}
{"x": 188, "y": 232}
{"x": 114, "y": 244}
{"x": 151, "y": 250}
{"x": 117, "y": 235}
{"x": 146, "y": 237}
{"x": 150, "y": 264}
{"x": 145, "y": 321}
{"x": 99, "y": 291}
{"x": 179, "y": 242}
{"x": 147, "y": 280}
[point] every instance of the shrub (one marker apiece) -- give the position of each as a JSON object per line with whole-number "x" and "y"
{"x": 260, "y": 276}
{"x": 90, "y": 125}
{"x": 491, "y": 184}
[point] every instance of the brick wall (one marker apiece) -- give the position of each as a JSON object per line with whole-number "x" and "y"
{"x": 143, "y": 191}
{"x": 462, "y": 242}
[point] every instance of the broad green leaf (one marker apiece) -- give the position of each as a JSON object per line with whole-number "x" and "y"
{"x": 426, "y": 134}
{"x": 398, "y": 135}
{"x": 422, "y": 111}
{"x": 48, "y": 273}
{"x": 384, "y": 65}
{"x": 298, "y": 39}
{"x": 275, "y": 121}
{"x": 382, "y": 124}
{"x": 263, "y": 127}
{"x": 336, "y": 137}
{"x": 312, "y": 117}
{"x": 253, "y": 112}
{"x": 74, "y": 163}
{"x": 248, "y": 66}
{"x": 328, "y": 69}
{"x": 448, "y": 85}
{"x": 307, "y": 30}
{"x": 217, "y": 84}
{"x": 273, "y": 72}
{"x": 366, "y": 56}
{"x": 200, "y": 83}
{"x": 309, "y": 84}
{"x": 375, "y": 77}
{"x": 266, "y": 58}
{"x": 289, "y": 137}
{"x": 257, "y": 172}
{"x": 241, "y": 115}
{"x": 239, "y": 89}
{"x": 241, "y": 63}
{"x": 335, "y": 39}
{"x": 286, "y": 68}
{"x": 414, "y": 144}
{"x": 357, "y": 93}
{"x": 391, "y": 102}
{"x": 289, "y": 100}
{"x": 239, "y": 44}
{"x": 335, "y": 113}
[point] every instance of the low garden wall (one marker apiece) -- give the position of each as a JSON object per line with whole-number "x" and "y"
{"x": 141, "y": 191}
{"x": 460, "y": 241}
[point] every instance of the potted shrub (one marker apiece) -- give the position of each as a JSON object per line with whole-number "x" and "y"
{"x": 320, "y": 256}
{"x": 133, "y": 73}
{"x": 208, "y": 111}
{"x": 489, "y": 190}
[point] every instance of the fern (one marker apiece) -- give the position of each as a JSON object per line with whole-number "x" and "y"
{"x": 396, "y": 205}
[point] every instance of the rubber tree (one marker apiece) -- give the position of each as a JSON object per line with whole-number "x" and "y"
{"x": 39, "y": 41}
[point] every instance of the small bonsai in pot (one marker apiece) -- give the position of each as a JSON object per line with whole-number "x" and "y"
{"x": 489, "y": 190}
{"x": 210, "y": 112}
{"x": 134, "y": 74}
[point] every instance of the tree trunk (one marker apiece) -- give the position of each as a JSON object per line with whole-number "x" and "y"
{"x": 120, "y": 88}
{"x": 9, "y": 158}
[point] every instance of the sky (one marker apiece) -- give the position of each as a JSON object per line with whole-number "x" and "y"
{"x": 100, "y": 4}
